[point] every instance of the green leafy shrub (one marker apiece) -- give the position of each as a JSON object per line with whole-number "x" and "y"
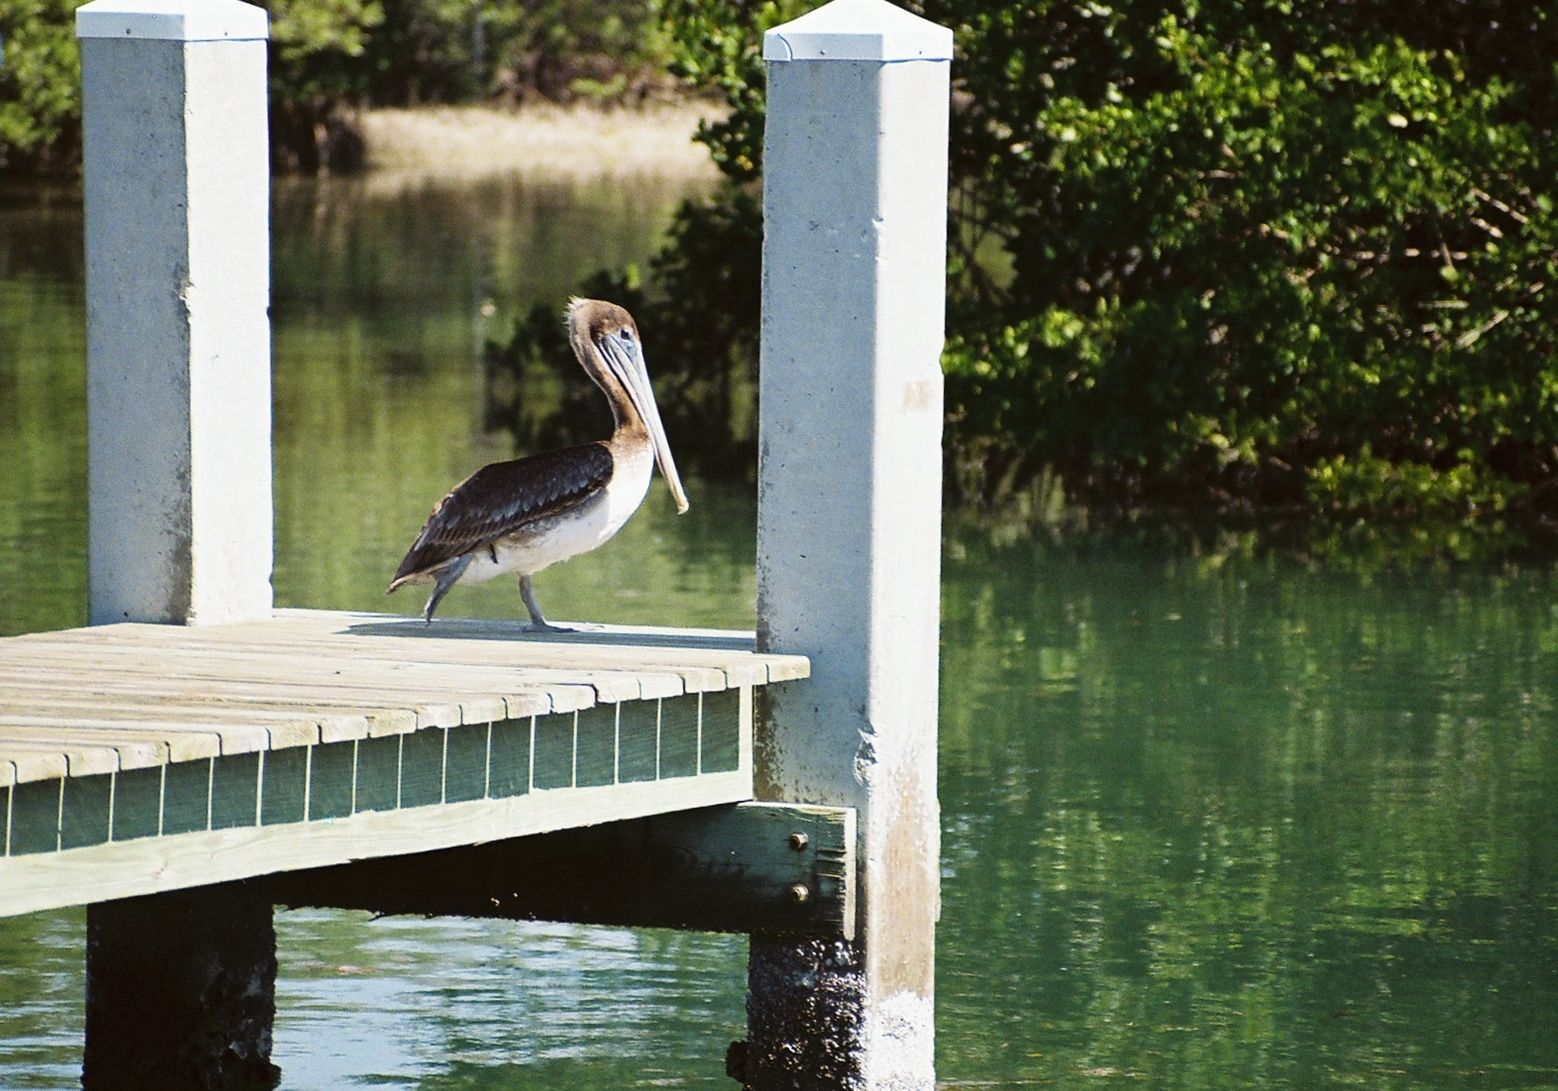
{"x": 1278, "y": 262}
{"x": 40, "y": 87}
{"x": 330, "y": 58}
{"x": 313, "y": 83}
{"x": 317, "y": 79}
{"x": 1238, "y": 256}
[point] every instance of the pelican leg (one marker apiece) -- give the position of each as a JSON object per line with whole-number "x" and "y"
{"x": 447, "y": 577}
{"x": 538, "y": 622}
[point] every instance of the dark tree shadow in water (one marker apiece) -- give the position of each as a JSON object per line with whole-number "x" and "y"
{"x": 698, "y": 312}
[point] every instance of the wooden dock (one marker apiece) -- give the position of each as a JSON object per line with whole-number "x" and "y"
{"x": 138, "y": 758}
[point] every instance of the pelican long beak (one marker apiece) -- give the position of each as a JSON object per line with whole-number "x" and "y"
{"x": 626, "y": 360}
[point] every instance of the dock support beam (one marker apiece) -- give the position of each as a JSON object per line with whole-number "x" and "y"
{"x": 748, "y": 867}
{"x": 181, "y": 990}
{"x": 849, "y": 526}
{"x": 177, "y": 177}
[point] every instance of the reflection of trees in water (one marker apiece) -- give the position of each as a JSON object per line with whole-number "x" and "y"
{"x": 1223, "y": 820}
{"x": 43, "y": 541}
{"x": 697, "y": 308}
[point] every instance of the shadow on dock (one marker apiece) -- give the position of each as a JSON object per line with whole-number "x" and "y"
{"x": 620, "y": 636}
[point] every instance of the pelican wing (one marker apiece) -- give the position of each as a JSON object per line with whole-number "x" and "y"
{"x": 504, "y": 498}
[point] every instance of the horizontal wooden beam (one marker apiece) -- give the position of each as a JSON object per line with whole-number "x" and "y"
{"x": 152, "y": 865}
{"x": 752, "y": 867}
{"x": 187, "y": 823}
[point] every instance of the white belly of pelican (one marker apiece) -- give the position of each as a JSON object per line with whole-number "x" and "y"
{"x": 580, "y": 530}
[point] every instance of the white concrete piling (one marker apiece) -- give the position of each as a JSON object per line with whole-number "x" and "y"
{"x": 849, "y": 523}
{"x": 178, "y": 332}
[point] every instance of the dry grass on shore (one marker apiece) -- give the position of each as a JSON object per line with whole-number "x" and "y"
{"x": 579, "y": 141}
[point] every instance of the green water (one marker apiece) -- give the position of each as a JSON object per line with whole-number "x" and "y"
{"x": 1212, "y": 818}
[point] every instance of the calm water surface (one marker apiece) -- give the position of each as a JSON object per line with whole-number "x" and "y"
{"x": 1212, "y": 818}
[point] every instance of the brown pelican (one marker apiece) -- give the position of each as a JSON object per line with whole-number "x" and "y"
{"x": 524, "y": 515}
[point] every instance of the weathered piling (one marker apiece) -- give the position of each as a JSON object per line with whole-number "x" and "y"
{"x": 178, "y": 288}
{"x": 849, "y": 524}
{"x": 181, "y": 991}
{"x": 180, "y": 987}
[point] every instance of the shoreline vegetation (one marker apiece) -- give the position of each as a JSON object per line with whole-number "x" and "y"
{"x": 1203, "y": 256}
{"x": 578, "y": 140}
{"x": 1205, "y": 260}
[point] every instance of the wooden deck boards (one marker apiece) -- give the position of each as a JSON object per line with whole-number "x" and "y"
{"x": 142, "y": 757}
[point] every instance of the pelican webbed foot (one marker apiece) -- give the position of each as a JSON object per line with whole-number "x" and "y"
{"x": 538, "y": 622}
{"x": 548, "y": 627}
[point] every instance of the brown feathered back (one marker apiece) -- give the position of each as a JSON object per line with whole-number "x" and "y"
{"x": 502, "y": 499}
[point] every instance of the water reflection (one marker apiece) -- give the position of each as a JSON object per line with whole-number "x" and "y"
{"x": 42, "y": 414}
{"x": 515, "y": 1005}
{"x": 1212, "y": 818}
{"x": 1252, "y": 824}
{"x": 418, "y": 270}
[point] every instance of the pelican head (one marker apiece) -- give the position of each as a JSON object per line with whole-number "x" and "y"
{"x": 605, "y": 339}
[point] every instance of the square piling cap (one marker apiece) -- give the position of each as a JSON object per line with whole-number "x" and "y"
{"x": 858, "y": 30}
{"x": 173, "y": 20}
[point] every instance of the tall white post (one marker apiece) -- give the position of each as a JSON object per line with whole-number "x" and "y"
{"x": 849, "y": 523}
{"x": 180, "y": 987}
{"x": 177, "y": 172}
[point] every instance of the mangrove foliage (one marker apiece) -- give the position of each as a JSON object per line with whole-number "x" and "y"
{"x": 1243, "y": 257}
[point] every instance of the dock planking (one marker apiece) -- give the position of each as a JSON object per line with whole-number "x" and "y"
{"x": 139, "y": 758}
